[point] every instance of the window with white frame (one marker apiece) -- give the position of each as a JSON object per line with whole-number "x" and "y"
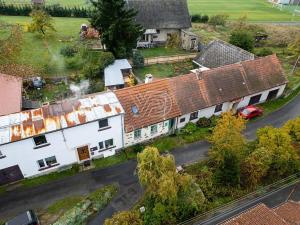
{"x": 103, "y": 124}
{"x": 219, "y": 108}
{"x": 40, "y": 140}
{"x": 194, "y": 116}
{"x": 137, "y": 134}
{"x": 47, "y": 162}
{"x": 182, "y": 120}
{"x": 153, "y": 129}
{"x": 109, "y": 143}
{"x": 101, "y": 145}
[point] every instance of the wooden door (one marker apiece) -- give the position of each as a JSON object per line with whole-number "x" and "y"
{"x": 10, "y": 174}
{"x": 83, "y": 153}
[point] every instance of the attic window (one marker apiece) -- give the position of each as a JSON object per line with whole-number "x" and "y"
{"x": 134, "y": 110}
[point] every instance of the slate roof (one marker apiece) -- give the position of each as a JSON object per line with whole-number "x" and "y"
{"x": 10, "y": 94}
{"x": 168, "y": 98}
{"x": 159, "y": 14}
{"x": 219, "y": 53}
{"x": 66, "y": 114}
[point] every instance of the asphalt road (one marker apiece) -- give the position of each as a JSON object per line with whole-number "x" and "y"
{"x": 271, "y": 199}
{"x": 16, "y": 201}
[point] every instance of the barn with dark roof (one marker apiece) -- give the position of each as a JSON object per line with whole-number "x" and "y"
{"x": 160, "y": 19}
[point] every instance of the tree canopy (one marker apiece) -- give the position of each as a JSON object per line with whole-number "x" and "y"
{"x": 42, "y": 22}
{"x": 124, "y": 218}
{"x": 116, "y": 25}
{"x": 242, "y": 39}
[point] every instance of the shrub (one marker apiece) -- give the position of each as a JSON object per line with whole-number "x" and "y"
{"x": 68, "y": 51}
{"x": 199, "y": 19}
{"x": 173, "y": 41}
{"x": 189, "y": 128}
{"x": 218, "y": 20}
{"x": 138, "y": 148}
{"x": 73, "y": 63}
{"x": 264, "y": 52}
{"x": 138, "y": 59}
{"x": 203, "y": 122}
{"x": 242, "y": 39}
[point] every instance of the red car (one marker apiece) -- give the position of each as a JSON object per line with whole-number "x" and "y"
{"x": 250, "y": 112}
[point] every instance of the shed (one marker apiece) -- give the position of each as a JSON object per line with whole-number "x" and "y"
{"x": 115, "y": 73}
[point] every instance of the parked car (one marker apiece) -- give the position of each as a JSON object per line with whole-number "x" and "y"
{"x": 26, "y": 218}
{"x": 250, "y": 112}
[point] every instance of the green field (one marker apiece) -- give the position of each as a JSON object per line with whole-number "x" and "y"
{"x": 37, "y": 51}
{"x": 256, "y": 10}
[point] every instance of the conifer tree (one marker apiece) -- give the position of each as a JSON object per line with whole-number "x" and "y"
{"x": 115, "y": 22}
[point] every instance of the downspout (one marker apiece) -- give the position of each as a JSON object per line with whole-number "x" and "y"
{"x": 122, "y": 124}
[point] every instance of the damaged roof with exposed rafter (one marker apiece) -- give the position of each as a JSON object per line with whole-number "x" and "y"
{"x": 66, "y": 114}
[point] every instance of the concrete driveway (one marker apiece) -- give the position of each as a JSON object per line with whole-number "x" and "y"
{"x": 14, "y": 202}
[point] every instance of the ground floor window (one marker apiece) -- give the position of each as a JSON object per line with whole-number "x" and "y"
{"x": 137, "y": 134}
{"x": 153, "y": 129}
{"x": 194, "y": 116}
{"x": 219, "y": 108}
{"x": 182, "y": 120}
{"x": 47, "y": 162}
{"x": 109, "y": 143}
{"x": 272, "y": 94}
{"x": 254, "y": 99}
{"x": 101, "y": 146}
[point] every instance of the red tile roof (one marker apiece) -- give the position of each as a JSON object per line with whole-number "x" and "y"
{"x": 154, "y": 102}
{"x": 290, "y": 212}
{"x": 10, "y": 94}
{"x": 259, "y": 215}
{"x": 168, "y": 98}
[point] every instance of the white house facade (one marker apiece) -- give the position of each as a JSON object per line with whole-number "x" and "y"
{"x": 55, "y": 136}
{"x": 159, "y": 107}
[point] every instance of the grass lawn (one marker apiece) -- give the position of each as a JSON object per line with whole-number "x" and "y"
{"x": 161, "y": 51}
{"x": 256, "y": 10}
{"x": 165, "y": 70}
{"x": 40, "y": 52}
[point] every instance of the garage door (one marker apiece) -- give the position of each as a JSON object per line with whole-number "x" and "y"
{"x": 10, "y": 174}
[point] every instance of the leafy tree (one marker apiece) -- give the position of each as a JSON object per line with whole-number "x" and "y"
{"x": 10, "y": 47}
{"x": 227, "y": 137}
{"x": 293, "y": 128}
{"x": 169, "y": 195}
{"x": 41, "y": 22}
{"x": 115, "y": 23}
{"x": 157, "y": 173}
{"x": 125, "y": 218}
{"x": 242, "y": 39}
{"x": 256, "y": 166}
{"x": 228, "y": 173}
{"x": 284, "y": 156}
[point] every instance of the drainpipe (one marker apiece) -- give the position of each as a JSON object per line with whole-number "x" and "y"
{"x": 122, "y": 128}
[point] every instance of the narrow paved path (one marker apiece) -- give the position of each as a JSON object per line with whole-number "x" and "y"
{"x": 14, "y": 202}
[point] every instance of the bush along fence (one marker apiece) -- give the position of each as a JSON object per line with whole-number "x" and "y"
{"x": 53, "y": 10}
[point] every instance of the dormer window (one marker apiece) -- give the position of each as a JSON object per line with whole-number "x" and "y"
{"x": 134, "y": 110}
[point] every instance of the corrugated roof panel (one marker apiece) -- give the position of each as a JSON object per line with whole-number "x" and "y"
{"x": 65, "y": 114}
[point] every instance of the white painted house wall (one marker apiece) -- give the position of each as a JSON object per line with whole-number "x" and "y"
{"x": 63, "y": 145}
{"x": 227, "y": 106}
{"x": 162, "y": 36}
{"x": 162, "y": 128}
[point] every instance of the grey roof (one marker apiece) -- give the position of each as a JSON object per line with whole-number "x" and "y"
{"x": 113, "y": 74}
{"x": 219, "y": 53}
{"x": 159, "y": 14}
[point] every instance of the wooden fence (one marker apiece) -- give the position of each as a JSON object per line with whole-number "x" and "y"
{"x": 169, "y": 59}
